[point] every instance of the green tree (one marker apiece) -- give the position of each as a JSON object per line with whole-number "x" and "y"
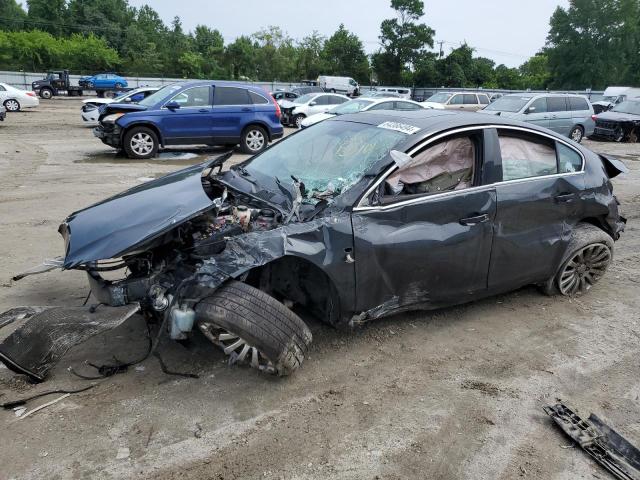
{"x": 508, "y": 78}
{"x": 309, "y": 61}
{"x": 404, "y": 41}
{"x": 585, "y": 45}
{"x": 343, "y": 54}
{"x": 12, "y": 16}
{"x": 106, "y": 18}
{"x": 240, "y": 58}
{"x": 47, "y": 15}
{"x": 535, "y": 72}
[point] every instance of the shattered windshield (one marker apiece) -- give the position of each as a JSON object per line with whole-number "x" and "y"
{"x": 508, "y": 104}
{"x": 328, "y": 158}
{"x": 628, "y": 107}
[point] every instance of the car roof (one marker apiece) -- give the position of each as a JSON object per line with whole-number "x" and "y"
{"x": 432, "y": 121}
{"x": 196, "y": 83}
{"x": 537, "y": 95}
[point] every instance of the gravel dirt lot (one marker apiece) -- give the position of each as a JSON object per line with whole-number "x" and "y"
{"x": 456, "y": 393}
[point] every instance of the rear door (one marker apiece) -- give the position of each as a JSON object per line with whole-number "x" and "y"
{"x": 538, "y": 201}
{"x": 432, "y": 247}
{"x": 559, "y": 115}
{"x": 232, "y": 110}
{"x": 471, "y": 102}
{"x": 191, "y": 123}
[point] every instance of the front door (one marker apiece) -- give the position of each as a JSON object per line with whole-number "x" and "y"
{"x": 537, "y": 113}
{"x": 432, "y": 247}
{"x": 537, "y": 204}
{"x": 191, "y": 122}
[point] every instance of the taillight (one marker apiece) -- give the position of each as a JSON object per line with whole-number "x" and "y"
{"x": 31, "y": 94}
{"x": 278, "y": 111}
{"x": 594, "y": 117}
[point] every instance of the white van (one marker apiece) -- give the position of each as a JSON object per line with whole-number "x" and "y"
{"x": 402, "y": 92}
{"x": 339, "y": 85}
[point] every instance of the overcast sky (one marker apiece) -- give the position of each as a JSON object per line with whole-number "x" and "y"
{"x": 507, "y": 31}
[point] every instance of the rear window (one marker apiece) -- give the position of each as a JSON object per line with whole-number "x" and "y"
{"x": 578, "y": 103}
{"x": 557, "y": 104}
{"x": 230, "y": 96}
{"x": 470, "y": 99}
{"x": 257, "y": 99}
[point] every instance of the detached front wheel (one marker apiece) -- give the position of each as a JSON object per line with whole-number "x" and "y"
{"x": 141, "y": 143}
{"x": 253, "y": 328}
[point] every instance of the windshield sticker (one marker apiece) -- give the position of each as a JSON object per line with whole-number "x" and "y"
{"x": 399, "y": 127}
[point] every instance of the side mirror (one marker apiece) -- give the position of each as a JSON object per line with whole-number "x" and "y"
{"x": 313, "y": 103}
{"x": 530, "y": 110}
{"x": 128, "y": 100}
{"x": 172, "y": 106}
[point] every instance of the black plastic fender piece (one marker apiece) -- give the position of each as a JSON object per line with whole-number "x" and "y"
{"x": 49, "y": 332}
{"x": 603, "y": 443}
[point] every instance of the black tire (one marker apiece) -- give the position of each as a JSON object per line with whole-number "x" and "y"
{"x": 89, "y": 85}
{"x": 297, "y": 121}
{"x": 577, "y": 134}
{"x": 46, "y": 93}
{"x": 259, "y": 320}
{"x": 585, "y": 238}
{"x": 12, "y": 105}
{"x": 333, "y": 90}
{"x": 250, "y": 141}
{"x": 133, "y": 143}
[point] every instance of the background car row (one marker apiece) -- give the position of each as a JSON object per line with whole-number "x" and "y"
{"x": 14, "y": 99}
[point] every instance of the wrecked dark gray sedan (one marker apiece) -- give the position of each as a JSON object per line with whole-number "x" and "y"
{"x": 355, "y": 218}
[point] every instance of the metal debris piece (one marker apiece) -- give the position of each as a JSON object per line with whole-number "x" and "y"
{"x": 48, "y": 333}
{"x": 604, "y": 444}
{"x": 44, "y": 405}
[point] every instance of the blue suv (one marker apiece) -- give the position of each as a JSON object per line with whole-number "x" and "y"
{"x": 192, "y": 113}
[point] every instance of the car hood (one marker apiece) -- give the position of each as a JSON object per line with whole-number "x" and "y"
{"x": 98, "y": 101}
{"x": 434, "y": 105}
{"x": 602, "y": 103}
{"x": 289, "y": 104}
{"x": 124, "y": 222}
{"x": 500, "y": 113}
{"x": 124, "y": 108}
{"x": 618, "y": 116}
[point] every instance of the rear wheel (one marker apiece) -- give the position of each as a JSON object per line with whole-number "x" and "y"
{"x": 12, "y": 105}
{"x": 141, "y": 143}
{"x": 576, "y": 134}
{"x": 253, "y": 328}
{"x": 589, "y": 254}
{"x": 254, "y": 139}
{"x": 118, "y": 85}
{"x": 46, "y": 93}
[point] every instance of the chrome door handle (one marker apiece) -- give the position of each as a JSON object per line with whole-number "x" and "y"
{"x": 470, "y": 221}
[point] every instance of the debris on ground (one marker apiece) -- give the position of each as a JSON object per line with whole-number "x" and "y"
{"x": 603, "y": 443}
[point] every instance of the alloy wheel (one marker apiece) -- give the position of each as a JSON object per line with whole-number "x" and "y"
{"x": 142, "y": 143}
{"x": 12, "y": 105}
{"x": 576, "y": 135}
{"x": 299, "y": 120}
{"x": 255, "y": 140}
{"x": 584, "y": 269}
{"x": 238, "y": 349}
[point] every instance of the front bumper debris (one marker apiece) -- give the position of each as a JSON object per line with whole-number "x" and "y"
{"x": 603, "y": 443}
{"x": 49, "y": 332}
{"x": 109, "y": 135}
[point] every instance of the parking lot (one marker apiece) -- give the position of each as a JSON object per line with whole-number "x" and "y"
{"x": 455, "y": 393}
